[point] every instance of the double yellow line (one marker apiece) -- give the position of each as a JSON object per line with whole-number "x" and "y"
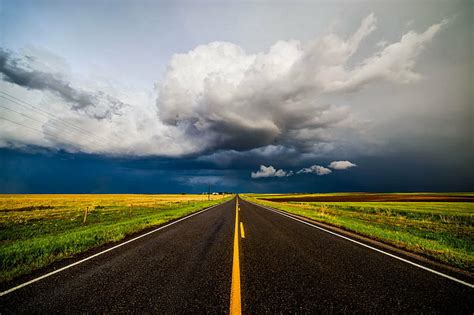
{"x": 235, "y": 297}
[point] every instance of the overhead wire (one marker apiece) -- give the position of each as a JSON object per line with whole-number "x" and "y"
{"x": 41, "y": 122}
{"x": 90, "y": 136}
{"x": 41, "y": 132}
{"x": 45, "y": 113}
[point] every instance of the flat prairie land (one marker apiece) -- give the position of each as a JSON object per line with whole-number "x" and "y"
{"x": 437, "y": 226}
{"x": 367, "y": 197}
{"x": 36, "y": 230}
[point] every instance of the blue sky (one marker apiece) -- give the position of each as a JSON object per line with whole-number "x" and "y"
{"x": 150, "y": 96}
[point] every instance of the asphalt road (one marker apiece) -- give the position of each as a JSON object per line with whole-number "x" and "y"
{"x": 184, "y": 268}
{"x": 285, "y": 267}
{"x": 290, "y": 267}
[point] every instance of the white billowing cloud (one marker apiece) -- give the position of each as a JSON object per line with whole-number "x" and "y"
{"x": 136, "y": 132}
{"x": 270, "y": 171}
{"x": 216, "y": 97}
{"x": 315, "y": 169}
{"x": 341, "y": 165}
{"x": 395, "y": 62}
{"x": 240, "y": 101}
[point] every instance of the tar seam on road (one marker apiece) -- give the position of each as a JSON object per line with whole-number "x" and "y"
{"x": 235, "y": 297}
{"x": 102, "y": 252}
{"x": 368, "y": 246}
{"x": 242, "y": 232}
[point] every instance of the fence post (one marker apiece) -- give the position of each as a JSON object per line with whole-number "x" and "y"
{"x": 85, "y": 215}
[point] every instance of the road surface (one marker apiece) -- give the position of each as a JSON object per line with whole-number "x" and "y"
{"x": 282, "y": 266}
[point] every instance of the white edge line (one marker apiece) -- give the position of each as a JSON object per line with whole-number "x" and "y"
{"x": 105, "y": 251}
{"x": 368, "y": 246}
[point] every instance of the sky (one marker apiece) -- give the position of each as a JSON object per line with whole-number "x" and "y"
{"x": 255, "y": 96}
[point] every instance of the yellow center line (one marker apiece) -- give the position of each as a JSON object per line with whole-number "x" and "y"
{"x": 242, "y": 232}
{"x": 235, "y": 299}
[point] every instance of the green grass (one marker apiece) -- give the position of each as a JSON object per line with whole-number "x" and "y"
{"x": 443, "y": 231}
{"x": 37, "y": 230}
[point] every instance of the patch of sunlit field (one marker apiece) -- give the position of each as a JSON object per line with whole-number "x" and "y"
{"x": 442, "y": 231}
{"x": 352, "y": 194}
{"x": 36, "y": 230}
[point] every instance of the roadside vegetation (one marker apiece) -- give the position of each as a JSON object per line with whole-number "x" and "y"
{"x": 36, "y": 230}
{"x": 443, "y": 231}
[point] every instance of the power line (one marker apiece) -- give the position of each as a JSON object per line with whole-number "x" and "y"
{"x": 91, "y": 137}
{"x": 41, "y": 122}
{"x": 40, "y": 111}
{"x": 40, "y": 131}
{"x": 24, "y": 115}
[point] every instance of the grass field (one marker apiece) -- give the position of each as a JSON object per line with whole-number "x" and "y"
{"x": 443, "y": 231}
{"x": 36, "y": 230}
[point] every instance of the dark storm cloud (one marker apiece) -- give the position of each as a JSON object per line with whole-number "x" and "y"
{"x": 228, "y": 99}
{"x": 17, "y": 70}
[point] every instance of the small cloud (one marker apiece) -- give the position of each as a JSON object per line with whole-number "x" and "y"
{"x": 315, "y": 169}
{"x": 270, "y": 171}
{"x": 341, "y": 165}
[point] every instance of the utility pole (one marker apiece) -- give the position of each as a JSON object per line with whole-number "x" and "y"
{"x": 208, "y": 192}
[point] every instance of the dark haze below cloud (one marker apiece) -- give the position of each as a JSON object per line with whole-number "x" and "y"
{"x": 24, "y": 172}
